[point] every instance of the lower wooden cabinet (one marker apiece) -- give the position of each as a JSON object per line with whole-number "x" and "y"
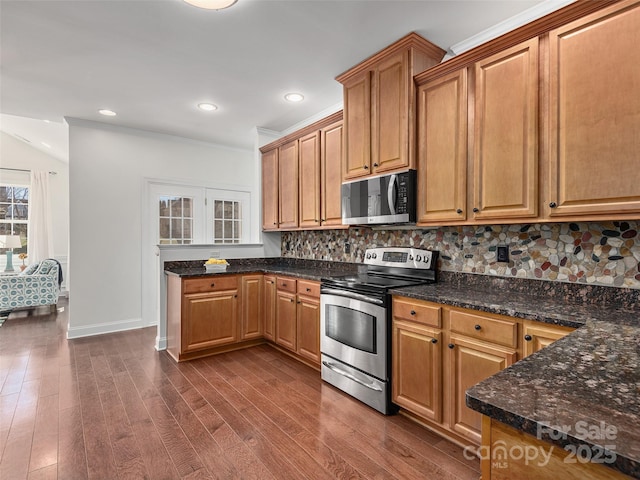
{"x": 252, "y": 307}
{"x": 308, "y": 328}
{"x": 269, "y": 307}
{"x": 286, "y": 324}
{"x": 209, "y": 319}
{"x": 439, "y": 351}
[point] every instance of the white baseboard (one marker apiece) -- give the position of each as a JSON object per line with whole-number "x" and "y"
{"x": 102, "y": 328}
{"x": 161, "y": 343}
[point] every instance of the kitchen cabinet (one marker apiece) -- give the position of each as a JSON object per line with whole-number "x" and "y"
{"x": 308, "y": 321}
{"x": 251, "y": 307}
{"x": 288, "y": 185}
{"x": 505, "y": 153}
{"x": 379, "y": 119}
{"x": 595, "y": 116}
{"x": 270, "y": 190}
{"x": 270, "y": 300}
{"x": 536, "y": 336}
{"x": 331, "y": 139}
{"x": 286, "y": 313}
{"x": 309, "y": 180}
{"x": 442, "y": 149}
{"x": 417, "y": 368}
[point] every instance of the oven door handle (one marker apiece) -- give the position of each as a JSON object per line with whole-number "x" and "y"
{"x": 354, "y": 295}
{"x": 344, "y": 373}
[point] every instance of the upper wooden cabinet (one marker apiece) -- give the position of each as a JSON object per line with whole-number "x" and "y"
{"x": 442, "y": 149}
{"x": 270, "y": 190}
{"x": 505, "y": 155}
{"x": 379, "y": 118}
{"x": 288, "y": 185}
{"x": 595, "y": 116}
{"x": 309, "y": 180}
{"x": 331, "y": 139}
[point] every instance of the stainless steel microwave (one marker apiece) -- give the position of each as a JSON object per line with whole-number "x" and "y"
{"x": 380, "y": 200}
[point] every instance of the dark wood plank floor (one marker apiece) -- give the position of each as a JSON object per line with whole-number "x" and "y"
{"x": 110, "y": 407}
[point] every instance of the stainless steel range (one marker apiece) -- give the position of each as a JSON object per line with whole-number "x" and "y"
{"x": 355, "y": 321}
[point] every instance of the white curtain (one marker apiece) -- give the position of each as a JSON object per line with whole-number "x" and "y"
{"x": 40, "y": 239}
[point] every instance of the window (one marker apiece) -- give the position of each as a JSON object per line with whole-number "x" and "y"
{"x": 227, "y": 221}
{"x": 14, "y": 213}
{"x": 175, "y": 220}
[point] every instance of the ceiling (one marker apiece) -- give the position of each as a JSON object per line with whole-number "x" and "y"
{"x": 152, "y": 62}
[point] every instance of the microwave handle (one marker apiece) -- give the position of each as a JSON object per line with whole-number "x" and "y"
{"x": 391, "y": 198}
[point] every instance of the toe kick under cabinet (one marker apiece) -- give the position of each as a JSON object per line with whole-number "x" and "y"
{"x": 212, "y": 314}
{"x": 439, "y": 351}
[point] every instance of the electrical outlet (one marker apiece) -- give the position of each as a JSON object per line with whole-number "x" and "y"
{"x": 503, "y": 253}
{"x": 347, "y": 247}
{"x": 215, "y": 254}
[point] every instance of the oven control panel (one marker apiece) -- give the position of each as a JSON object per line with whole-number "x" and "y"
{"x": 401, "y": 257}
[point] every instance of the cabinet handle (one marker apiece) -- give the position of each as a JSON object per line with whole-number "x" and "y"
{"x": 553, "y": 205}
{"x": 324, "y": 219}
{"x": 298, "y": 302}
{"x": 476, "y": 210}
{"x": 477, "y": 327}
{"x": 291, "y": 300}
{"x": 235, "y": 296}
{"x": 308, "y": 289}
{"x": 451, "y": 345}
{"x": 315, "y": 219}
{"x": 528, "y": 338}
{"x": 412, "y": 312}
{"x": 213, "y": 285}
{"x": 375, "y": 164}
{"x": 434, "y": 340}
{"x": 459, "y": 211}
{"x": 284, "y": 284}
{"x": 366, "y": 167}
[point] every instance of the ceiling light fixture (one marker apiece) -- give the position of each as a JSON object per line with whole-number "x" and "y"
{"x": 211, "y": 4}
{"x": 107, "y": 113}
{"x": 207, "y": 107}
{"x": 294, "y": 97}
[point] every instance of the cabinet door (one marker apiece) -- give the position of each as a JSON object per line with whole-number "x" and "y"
{"x": 470, "y": 362}
{"x": 417, "y": 369}
{"x": 209, "y": 319}
{"x": 506, "y": 134}
{"x": 442, "y": 149}
{"x": 286, "y": 320}
{"x": 357, "y": 126}
{"x": 288, "y": 185}
{"x": 595, "y": 115}
{"x": 270, "y": 308}
{"x": 270, "y": 190}
{"x": 537, "y": 336}
{"x": 331, "y": 165}
{"x": 390, "y": 127}
{"x": 252, "y": 303}
{"x": 308, "y": 328}
{"x": 309, "y": 180}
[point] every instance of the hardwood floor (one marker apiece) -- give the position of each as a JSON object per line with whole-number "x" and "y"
{"x": 110, "y": 407}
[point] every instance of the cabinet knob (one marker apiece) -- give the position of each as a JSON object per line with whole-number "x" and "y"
{"x": 275, "y": 223}
{"x": 291, "y": 299}
{"x": 477, "y": 327}
{"x": 324, "y": 219}
{"x": 284, "y": 284}
{"x": 308, "y": 289}
{"x": 375, "y": 164}
{"x": 213, "y": 285}
{"x": 366, "y": 167}
{"x": 459, "y": 211}
{"x": 298, "y": 301}
{"x": 235, "y": 296}
{"x": 528, "y": 338}
{"x": 315, "y": 219}
{"x": 451, "y": 345}
{"x": 553, "y": 204}
{"x": 434, "y": 340}
{"x": 476, "y": 210}
{"x": 412, "y": 312}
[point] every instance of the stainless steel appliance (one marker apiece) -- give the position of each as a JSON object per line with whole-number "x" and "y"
{"x": 355, "y": 321}
{"x": 382, "y": 199}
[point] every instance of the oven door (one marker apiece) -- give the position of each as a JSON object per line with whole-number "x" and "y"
{"x": 354, "y": 331}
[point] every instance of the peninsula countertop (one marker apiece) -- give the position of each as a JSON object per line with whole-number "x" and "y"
{"x": 588, "y": 381}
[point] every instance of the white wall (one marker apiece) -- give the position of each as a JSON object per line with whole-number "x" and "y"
{"x": 15, "y": 153}
{"x": 107, "y": 170}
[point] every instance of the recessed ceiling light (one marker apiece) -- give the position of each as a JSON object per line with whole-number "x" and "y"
{"x": 207, "y": 107}
{"x": 108, "y": 113}
{"x": 46, "y": 144}
{"x": 211, "y": 4}
{"x": 294, "y": 97}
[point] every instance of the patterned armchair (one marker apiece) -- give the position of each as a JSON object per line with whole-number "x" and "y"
{"x": 36, "y": 285}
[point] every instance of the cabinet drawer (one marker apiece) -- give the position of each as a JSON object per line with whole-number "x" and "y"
{"x": 210, "y": 284}
{"x": 494, "y": 330}
{"x": 285, "y": 284}
{"x": 311, "y": 289}
{"x": 417, "y": 311}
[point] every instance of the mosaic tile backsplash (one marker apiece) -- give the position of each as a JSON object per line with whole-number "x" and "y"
{"x": 605, "y": 253}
